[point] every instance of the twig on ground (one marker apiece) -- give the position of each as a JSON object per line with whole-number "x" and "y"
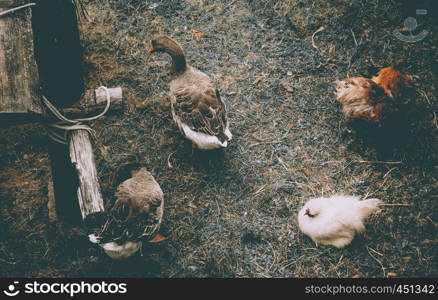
{"x": 322, "y": 28}
{"x": 169, "y": 164}
{"x": 259, "y": 190}
{"x": 377, "y": 162}
{"x": 354, "y": 38}
{"x": 265, "y": 143}
{"x": 380, "y": 263}
{"x": 7, "y": 262}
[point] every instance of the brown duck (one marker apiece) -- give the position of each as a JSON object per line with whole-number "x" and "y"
{"x": 197, "y": 108}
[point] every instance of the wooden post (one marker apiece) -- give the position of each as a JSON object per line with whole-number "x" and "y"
{"x": 82, "y": 158}
{"x": 57, "y": 59}
{"x": 19, "y": 85}
{"x": 74, "y": 172}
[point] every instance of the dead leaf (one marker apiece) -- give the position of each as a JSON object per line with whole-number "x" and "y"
{"x": 104, "y": 150}
{"x": 286, "y": 86}
{"x": 226, "y": 79}
{"x": 197, "y": 33}
{"x": 169, "y": 164}
{"x": 158, "y": 239}
{"x": 191, "y": 205}
{"x": 140, "y": 104}
{"x": 153, "y": 6}
{"x": 429, "y": 241}
{"x": 332, "y": 51}
{"x": 356, "y": 276}
{"x": 391, "y": 274}
{"x": 258, "y": 79}
{"x": 422, "y": 221}
{"x": 158, "y": 22}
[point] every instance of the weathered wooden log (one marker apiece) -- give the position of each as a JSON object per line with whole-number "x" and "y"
{"x": 94, "y": 103}
{"x": 73, "y": 165}
{"x": 74, "y": 170}
{"x": 82, "y": 157}
{"x": 19, "y": 99}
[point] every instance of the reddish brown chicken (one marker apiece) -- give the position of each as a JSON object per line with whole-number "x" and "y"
{"x": 395, "y": 84}
{"x": 374, "y": 99}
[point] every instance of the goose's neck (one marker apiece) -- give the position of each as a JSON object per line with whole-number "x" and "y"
{"x": 179, "y": 63}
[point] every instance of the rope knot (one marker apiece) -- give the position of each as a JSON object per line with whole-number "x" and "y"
{"x": 58, "y": 131}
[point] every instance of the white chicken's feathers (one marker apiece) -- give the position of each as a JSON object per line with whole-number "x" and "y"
{"x": 336, "y": 219}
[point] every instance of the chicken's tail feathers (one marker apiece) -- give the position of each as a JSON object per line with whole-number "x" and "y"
{"x": 369, "y": 206}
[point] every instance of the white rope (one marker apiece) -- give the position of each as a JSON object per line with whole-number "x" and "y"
{"x": 58, "y": 131}
{"x": 3, "y": 13}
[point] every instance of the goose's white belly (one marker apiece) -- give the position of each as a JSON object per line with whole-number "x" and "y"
{"x": 203, "y": 141}
{"x": 115, "y": 250}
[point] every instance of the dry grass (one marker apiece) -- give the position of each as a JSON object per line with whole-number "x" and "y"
{"x": 237, "y": 218}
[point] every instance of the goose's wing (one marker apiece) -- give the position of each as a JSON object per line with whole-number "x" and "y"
{"x": 137, "y": 212}
{"x": 139, "y": 205}
{"x": 202, "y": 109}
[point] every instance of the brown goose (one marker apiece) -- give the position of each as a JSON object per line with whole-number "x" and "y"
{"x": 136, "y": 215}
{"x": 197, "y": 107}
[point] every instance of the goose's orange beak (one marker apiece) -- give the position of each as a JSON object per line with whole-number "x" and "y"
{"x": 151, "y": 48}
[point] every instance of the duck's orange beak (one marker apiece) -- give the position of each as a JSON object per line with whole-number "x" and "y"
{"x": 151, "y": 48}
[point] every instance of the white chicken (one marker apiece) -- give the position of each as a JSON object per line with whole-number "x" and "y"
{"x": 335, "y": 220}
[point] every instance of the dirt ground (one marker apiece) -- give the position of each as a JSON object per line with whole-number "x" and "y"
{"x": 233, "y": 214}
